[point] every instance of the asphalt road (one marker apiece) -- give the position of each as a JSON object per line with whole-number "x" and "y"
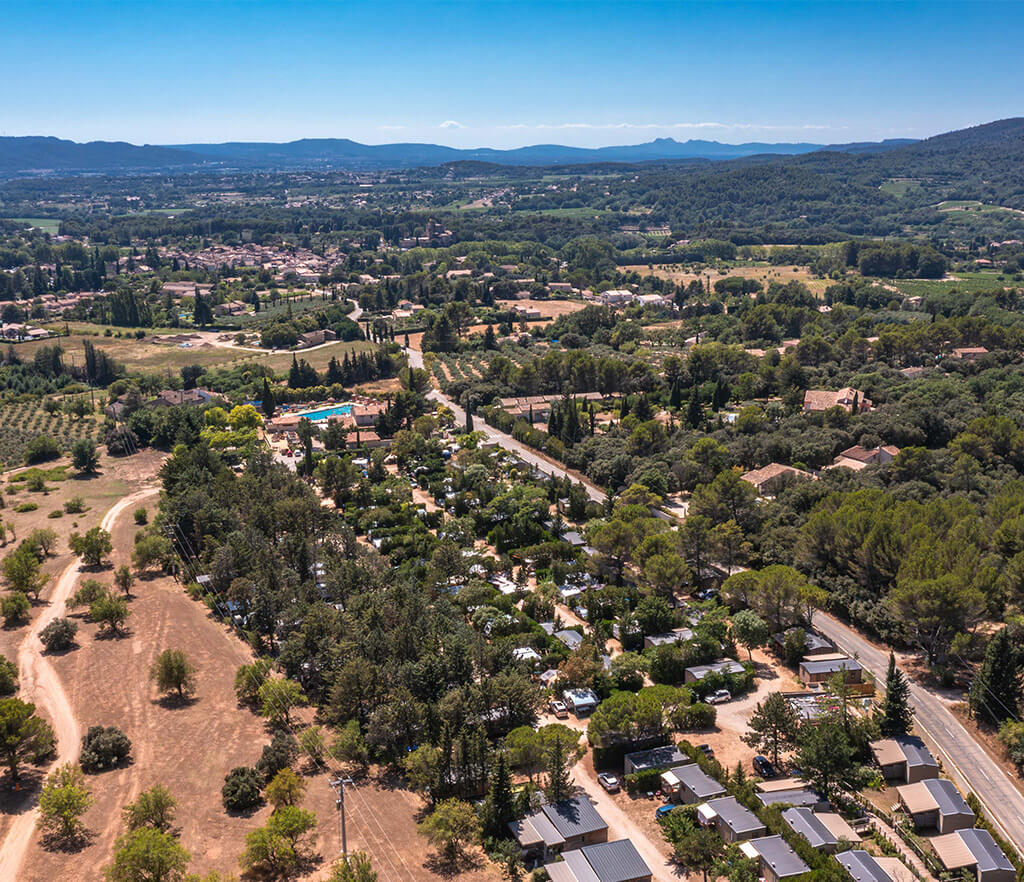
{"x": 962, "y": 757}
{"x": 504, "y": 440}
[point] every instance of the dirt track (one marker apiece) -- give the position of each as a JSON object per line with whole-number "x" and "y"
{"x": 40, "y": 684}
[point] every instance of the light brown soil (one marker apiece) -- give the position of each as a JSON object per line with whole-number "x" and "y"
{"x": 763, "y": 273}
{"x": 549, "y": 309}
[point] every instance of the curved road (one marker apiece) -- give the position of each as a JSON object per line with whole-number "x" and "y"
{"x": 962, "y": 757}
{"x": 38, "y": 682}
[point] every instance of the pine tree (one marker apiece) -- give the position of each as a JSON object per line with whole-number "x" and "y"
{"x": 995, "y": 692}
{"x": 469, "y": 419}
{"x": 489, "y": 339}
{"x": 896, "y": 715}
{"x": 624, "y": 407}
{"x": 558, "y": 786}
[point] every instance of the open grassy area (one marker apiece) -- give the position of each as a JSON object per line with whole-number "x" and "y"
{"x": 762, "y": 272}
{"x": 49, "y": 225}
{"x": 969, "y": 282}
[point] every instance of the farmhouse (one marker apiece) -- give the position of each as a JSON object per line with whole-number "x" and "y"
{"x": 617, "y": 861}
{"x": 904, "y": 759}
{"x": 571, "y": 823}
{"x": 969, "y": 353}
{"x": 857, "y": 457}
{"x": 775, "y": 857}
{"x": 935, "y": 802}
{"x": 974, "y": 850}
{"x": 820, "y": 670}
{"x": 769, "y": 479}
{"x": 820, "y": 400}
{"x": 733, "y": 821}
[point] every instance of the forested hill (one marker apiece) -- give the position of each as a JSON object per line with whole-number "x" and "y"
{"x": 38, "y": 155}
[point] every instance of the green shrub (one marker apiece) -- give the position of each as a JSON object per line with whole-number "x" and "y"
{"x": 141, "y": 516}
{"x": 643, "y": 782}
{"x": 75, "y": 505}
{"x": 697, "y": 716}
{"x": 41, "y": 449}
{"x": 23, "y": 507}
{"x": 56, "y": 513}
{"x": 241, "y": 790}
{"x": 15, "y": 608}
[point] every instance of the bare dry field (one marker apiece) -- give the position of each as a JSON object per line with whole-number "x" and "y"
{"x": 762, "y": 273}
{"x": 549, "y": 309}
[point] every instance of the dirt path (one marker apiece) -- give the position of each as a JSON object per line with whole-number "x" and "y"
{"x": 621, "y": 826}
{"x": 40, "y": 684}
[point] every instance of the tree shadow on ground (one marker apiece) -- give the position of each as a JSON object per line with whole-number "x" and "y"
{"x": 447, "y": 866}
{"x": 173, "y": 701}
{"x": 55, "y": 842}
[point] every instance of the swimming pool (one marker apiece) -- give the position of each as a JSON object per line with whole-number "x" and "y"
{"x": 324, "y": 413}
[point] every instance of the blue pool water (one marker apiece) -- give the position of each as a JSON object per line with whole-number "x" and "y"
{"x": 324, "y": 413}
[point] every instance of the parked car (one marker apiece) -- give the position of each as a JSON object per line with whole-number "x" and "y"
{"x": 706, "y": 593}
{"x": 719, "y": 696}
{"x": 609, "y": 782}
{"x": 663, "y": 810}
{"x": 763, "y": 767}
{"x": 706, "y": 748}
{"x": 558, "y": 708}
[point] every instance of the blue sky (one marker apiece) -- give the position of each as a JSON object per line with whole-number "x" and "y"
{"x": 505, "y": 74}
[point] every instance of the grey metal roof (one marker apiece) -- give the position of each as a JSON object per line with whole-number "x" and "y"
{"x": 665, "y": 757}
{"x": 988, "y": 855}
{"x": 736, "y": 817}
{"x": 577, "y": 862}
{"x": 698, "y": 782}
{"x": 915, "y": 751}
{"x": 949, "y": 800}
{"x": 829, "y": 665}
{"x": 776, "y": 853}
{"x": 726, "y": 666}
{"x": 803, "y": 821}
{"x": 570, "y": 638}
{"x": 574, "y": 817}
{"x": 862, "y": 867}
{"x": 812, "y": 641}
{"x": 617, "y": 861}
{"x": 798, "y": 796}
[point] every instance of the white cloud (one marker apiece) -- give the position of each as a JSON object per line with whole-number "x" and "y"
{"x": 450, "y": 124}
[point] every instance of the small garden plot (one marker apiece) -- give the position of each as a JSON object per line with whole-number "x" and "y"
{"x": 26, "y": 420}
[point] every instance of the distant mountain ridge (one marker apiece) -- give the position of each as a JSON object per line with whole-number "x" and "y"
{"x": 41, "y": 155}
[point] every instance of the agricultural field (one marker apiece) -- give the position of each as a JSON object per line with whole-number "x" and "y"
{"x": 22, "y": 421}
{"x": 762, "y": 272}
{"x": 49, "y": 225}
{"x": 969, "y": 282}
{"x": 549, "y": 309}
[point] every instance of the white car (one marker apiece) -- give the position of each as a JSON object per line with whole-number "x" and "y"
{"x": 719, "y": 697}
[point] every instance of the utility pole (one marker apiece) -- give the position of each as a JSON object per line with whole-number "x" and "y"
{"x": 338, "y": 785}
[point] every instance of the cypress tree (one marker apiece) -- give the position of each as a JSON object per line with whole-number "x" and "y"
{"x": 995, "y": 692}
{"x": 268, "y": 403}
{"x": 558, "y": 785}
{"x": 694, "y": 411}
{"x": 499, "y": 808}
{"x": 896, "y": 715}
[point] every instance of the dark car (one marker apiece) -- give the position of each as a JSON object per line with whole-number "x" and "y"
{"x": 764, "y": 768}
{"x": 706, "y": 748}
